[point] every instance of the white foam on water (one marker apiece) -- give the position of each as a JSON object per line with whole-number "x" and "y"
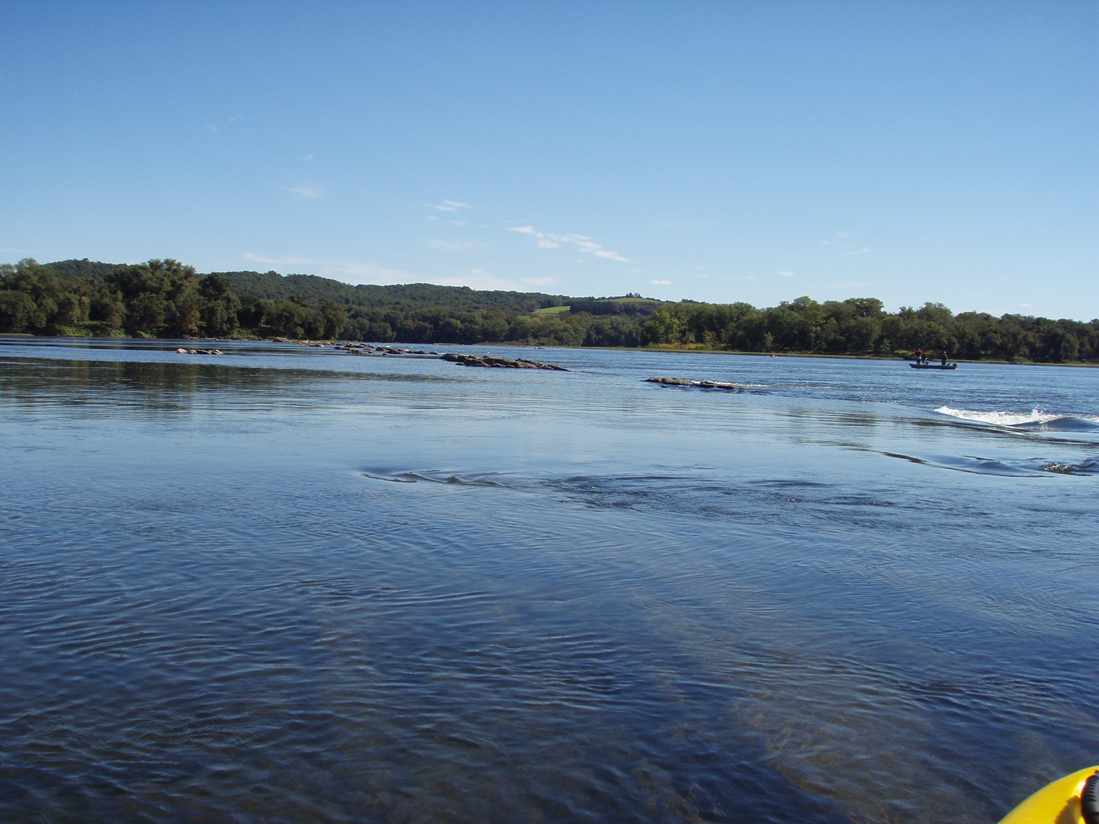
{"x": 1036, "y": 415}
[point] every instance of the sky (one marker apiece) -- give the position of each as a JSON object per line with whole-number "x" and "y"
{"x": 745, "y": 150}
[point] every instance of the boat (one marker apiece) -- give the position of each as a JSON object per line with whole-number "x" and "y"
{"x": 1072, "y": 799}
{"x": 947, "y": 366}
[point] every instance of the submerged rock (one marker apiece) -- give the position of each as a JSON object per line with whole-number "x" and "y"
{"x": 689, "y": 383}
{"x": 1061, "y": 468}
{"x": 494, "y": 361}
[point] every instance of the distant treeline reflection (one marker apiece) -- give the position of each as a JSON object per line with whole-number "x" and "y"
{"x": 167, "y": 387}
{"x": 164, "y": 298}
{"x": 104, "y": 386}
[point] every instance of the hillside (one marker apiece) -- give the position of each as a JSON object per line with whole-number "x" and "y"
{"x": 317, "y": 289}
{"x": 165, "y": 298}
{"x": 313, "y": 288}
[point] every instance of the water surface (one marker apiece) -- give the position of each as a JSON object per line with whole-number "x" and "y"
{"x": 290, "y": 584}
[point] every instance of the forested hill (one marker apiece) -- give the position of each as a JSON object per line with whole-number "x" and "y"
{"x": 165, "y": 298}
{"x": 315, "y": 289}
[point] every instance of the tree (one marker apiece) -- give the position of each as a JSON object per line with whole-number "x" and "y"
{"x": 219, "y": 307}
{"x": 108, "y": 308}
{"x": 184, "y": 315}
{"x": 166, "y": 297}
{"x": 665, "y": 326}
{"x": 146, "y": 314}
{"x": 334, "y": 316}
{"x": 17, "y": 311}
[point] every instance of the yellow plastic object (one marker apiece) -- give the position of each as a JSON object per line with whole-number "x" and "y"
{"x": 1056, "y": 803}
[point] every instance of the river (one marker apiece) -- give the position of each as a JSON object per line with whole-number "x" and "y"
{"x": 299, "y": 585}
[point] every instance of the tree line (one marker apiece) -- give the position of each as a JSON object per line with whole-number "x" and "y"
{"x": 165, "y": 298}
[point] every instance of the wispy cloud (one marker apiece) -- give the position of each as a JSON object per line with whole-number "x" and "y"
{"x": 308, "y": 158}
{"x": 582, "y": 243}
{"x": 785, "y": 273}
{"x": 836, "y": 237}
{"x": 660, "y": 282}
{"x": 845, "y": 243}
{"x": 453, "y": 245}
{"x": 218, "y": 124}
{"x": 546, "y": 281}
{"x": 450, "y": 206}
{"x": 308, "y": 191}
{"x": 371, "y": 272}
{"x": 252, "y": 257}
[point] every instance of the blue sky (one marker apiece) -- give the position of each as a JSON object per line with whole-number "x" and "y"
{"x": 720, "y": 151}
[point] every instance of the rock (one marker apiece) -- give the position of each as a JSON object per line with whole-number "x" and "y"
{"x": 380, "y": 351}
{"x": 693, "y": 384}
{"x": 497, "y": 362}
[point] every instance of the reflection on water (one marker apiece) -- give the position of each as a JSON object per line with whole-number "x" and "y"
{"x": 327, "y": 590}
{"x": 164, "y": 387}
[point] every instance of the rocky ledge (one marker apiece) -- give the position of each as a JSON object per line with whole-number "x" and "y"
{"x": 182, "y": 351}
{"x": 693, "y": 384}
{"x": 384, "y": 351}
{"x": 500, "y": 363}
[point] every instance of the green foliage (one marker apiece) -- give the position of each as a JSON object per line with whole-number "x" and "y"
{"x": 17, "y": 311}
{"x": 167, "y": 298}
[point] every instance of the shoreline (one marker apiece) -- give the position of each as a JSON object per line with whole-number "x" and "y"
{"x": 674, "y": 348}
{"x": 843, "y": 356}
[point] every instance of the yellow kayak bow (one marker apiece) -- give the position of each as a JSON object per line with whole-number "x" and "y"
{"x": 1073, "y": 799}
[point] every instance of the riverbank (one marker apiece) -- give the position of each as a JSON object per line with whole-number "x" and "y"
{"x": 698, "y": 349}
{"x": 702, "y": 350}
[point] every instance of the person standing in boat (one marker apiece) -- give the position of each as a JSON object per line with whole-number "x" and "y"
{"x": 919, "y": 356}
{"x": 944, "y": 356}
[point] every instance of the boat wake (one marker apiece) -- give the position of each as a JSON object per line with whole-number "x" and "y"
{"x": 1034, "y": 467}
{"x": 1037, "y": 420}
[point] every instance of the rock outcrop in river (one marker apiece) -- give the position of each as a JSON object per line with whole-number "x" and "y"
{"x": 693, "y": 384}
{"x": 380, "y": 350}
{"x": 497, "y": 362}
{"x": 391, "y": 351}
